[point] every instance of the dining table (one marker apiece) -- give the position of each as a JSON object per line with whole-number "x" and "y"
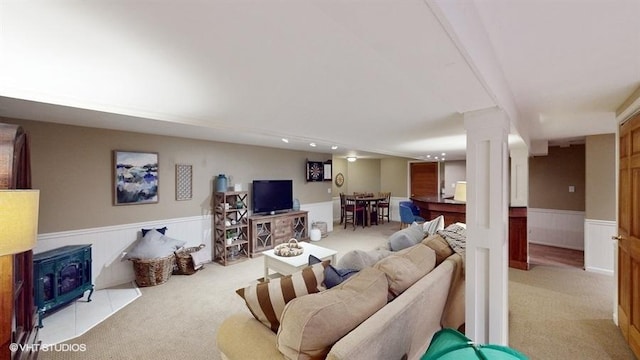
{"x": 370, "y": 203}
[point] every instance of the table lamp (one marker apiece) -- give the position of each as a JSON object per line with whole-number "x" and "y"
{"x": 18, "y": 220}
{"x": 18, "y": 232}
{"x": 460, "y": 193}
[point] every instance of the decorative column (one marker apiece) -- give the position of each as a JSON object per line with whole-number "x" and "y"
{"x": 519, "y": 176}
{"x": 486, "y": 292}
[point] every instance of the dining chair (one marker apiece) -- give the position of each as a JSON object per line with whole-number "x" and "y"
{"x": 407, "y": 217}
{"x": 383, "y": 206}
{"x": 351, "y": 211}
{"x": 342, "y": 204}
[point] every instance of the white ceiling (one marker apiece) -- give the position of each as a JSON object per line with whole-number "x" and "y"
{"x": 378, "y": 77}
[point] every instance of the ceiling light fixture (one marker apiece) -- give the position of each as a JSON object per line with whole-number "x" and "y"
{"x": 428, "y": 156}
{"x": 443, "y": 154}
{"x": 312, "y": 144}
{"x": 351, "y": 158}
{"x": 285, "y": 140}
{"x": 334, "y": 147}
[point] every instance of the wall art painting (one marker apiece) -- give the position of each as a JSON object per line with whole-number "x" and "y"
{"x": 135, "y": 177}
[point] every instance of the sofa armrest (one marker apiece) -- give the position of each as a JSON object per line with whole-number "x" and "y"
{"x": 241, "y": 336}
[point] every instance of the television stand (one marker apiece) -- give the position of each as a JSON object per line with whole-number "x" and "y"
{"x": 267, "y": 231}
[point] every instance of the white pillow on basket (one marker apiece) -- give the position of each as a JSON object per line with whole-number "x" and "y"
{"x": 154, "y": 245}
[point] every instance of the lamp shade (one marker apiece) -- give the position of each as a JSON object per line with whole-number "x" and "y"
{"x": 461, "y": 191}
{"x": 18, "y": 220}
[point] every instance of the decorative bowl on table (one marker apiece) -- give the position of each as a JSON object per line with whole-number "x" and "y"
{"x": 288, "y": 249}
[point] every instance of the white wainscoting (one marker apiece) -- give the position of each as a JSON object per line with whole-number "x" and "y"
{"x": 394, "y": 208}
{"x": 110, "y": 242}
{"x": 598, "y": 246}
{"x": 321, "y": 212}
{"x": 561, "y": 228}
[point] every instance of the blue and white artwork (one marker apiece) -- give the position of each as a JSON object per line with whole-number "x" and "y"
{"x": 136, "y": 177}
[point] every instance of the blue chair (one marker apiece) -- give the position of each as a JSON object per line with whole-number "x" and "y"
{"x": 414, "y": 209}
{"x": 407, "y": 217}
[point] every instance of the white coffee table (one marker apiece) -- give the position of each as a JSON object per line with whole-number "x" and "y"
{"x": 289, "y": 265}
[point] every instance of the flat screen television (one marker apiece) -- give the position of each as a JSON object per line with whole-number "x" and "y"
{"x": 272, "y": 196}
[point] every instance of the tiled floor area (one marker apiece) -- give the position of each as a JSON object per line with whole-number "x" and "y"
{"x": 77, "y": 318}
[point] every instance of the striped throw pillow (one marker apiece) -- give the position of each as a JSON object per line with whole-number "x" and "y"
{"x": 266, "y": 300}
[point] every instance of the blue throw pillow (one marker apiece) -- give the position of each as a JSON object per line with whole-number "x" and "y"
{"x": 161, "y": 230}
{"x": 334, "y": 276}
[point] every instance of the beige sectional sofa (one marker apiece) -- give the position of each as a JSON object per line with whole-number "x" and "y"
{"x": 356, "y": 320}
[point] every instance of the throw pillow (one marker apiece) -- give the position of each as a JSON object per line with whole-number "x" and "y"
{"x": 312, "y": 324}
{"x": 406, "y": 267}
{"x": 406, "y": 237}
{"x": 154, "y": 245}
{"x": 266, "y": 300}
{"x": 161, "y": 230}
{"x": 430, "y": 227}
{"x": 332, "y": 275}
{"x": 360, "y": 259}
{"x": 456, "y": 236}
{"x": 440, "y": 246}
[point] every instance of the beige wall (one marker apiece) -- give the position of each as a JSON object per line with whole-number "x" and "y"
{"x": 362, "y": 175}
{"x": 453, "y": 171}
{"x": 394, "y": 176}
{"x": 600, "y": 203}
{"x": 550, "y": 177}
{"x": 371, "y": 175}
{"x": 72, "y": 167}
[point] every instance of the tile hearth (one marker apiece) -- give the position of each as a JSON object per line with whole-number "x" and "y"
{"x": 80, "y": 316}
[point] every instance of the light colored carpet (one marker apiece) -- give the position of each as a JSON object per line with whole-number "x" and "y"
{"x": 553, "y": 316}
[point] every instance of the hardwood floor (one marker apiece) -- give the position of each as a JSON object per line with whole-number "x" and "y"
{"x": 551, "y": 255}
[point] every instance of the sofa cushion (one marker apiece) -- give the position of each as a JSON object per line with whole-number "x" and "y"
{"x": 154, "y": 245}
{"x": 430, "y": 227}
{"x": 406, "y": 267}
{"x": 312, "y": 324}
{"x": 440, "y": 246}
{"x": 266, "y": 300}
{"x": 360, "y": 259}
{"x": 406, "y": 237}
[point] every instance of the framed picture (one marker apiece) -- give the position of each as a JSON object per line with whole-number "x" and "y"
{"x": 327, "y": 171}
{"x": 135, "y": 177}
{"x": 184, "y": 175}
{"x": 315, "y": 171}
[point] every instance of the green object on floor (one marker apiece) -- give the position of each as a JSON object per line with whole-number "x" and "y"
{"x": 450, "y": 344}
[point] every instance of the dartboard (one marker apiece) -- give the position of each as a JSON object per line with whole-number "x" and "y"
{"x": 315, "y": 171}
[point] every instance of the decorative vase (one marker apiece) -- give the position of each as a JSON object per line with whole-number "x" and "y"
{"x": 296, "y": 205}
{"x": 221, "y": 183}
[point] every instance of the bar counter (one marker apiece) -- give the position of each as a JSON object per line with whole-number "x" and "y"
{"x": 455, "y": 211}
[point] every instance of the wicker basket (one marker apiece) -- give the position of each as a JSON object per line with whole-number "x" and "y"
{"x": 184, "y": 261}
{"x": 288, "y": 249}
{"x": 150, "y": 272}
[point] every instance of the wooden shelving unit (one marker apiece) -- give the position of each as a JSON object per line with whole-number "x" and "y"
{"x": 231, "y": 227}
{"x": 267, "y": 231}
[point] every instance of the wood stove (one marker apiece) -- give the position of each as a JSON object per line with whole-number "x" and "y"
{"x": 61, "y": 276}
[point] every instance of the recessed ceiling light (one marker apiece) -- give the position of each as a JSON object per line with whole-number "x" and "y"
{"x": 428, "y": 156}
{"x": 285, "y": 140}
{"x": 443, "y": 154}
{"x": 334, "y": 147}
{"x": 436, "y": 158}
{"x": 312, "y": 144}
{"x": 351, "y": 158}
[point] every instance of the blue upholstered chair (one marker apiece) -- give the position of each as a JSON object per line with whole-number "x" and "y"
{"x": 414, "y": 209}
{"x": 407, "y": 217}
